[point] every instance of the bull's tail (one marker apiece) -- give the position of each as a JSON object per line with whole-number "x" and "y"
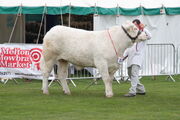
{"x": 42, "y": 63}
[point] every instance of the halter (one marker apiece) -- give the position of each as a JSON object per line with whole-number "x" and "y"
{"x": 132, "y": 38}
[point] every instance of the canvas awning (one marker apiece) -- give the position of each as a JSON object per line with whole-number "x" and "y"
{"x": 83, "y": 7}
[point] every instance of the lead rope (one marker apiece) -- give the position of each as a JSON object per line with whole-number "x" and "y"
{"x": 112, "y": 43}
{"x": 136, "y": 47}
{"x": 117, "y": 55}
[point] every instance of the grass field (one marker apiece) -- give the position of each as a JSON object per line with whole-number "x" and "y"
{"x": 25, "y": 101}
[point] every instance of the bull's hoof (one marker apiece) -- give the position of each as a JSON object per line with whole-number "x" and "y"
{"x": 67, "y": 93}
{"x": 46, "y": 92}
{"x": 109, "y": 96}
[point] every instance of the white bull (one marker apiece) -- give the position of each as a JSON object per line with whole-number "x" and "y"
{"x": 83, "y": 48}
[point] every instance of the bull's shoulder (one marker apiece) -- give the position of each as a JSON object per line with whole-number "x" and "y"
{"x": 116, "y": 27}
{"x": 58, "y": 27}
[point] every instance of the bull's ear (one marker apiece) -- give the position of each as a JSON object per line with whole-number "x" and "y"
{"x": 128, "y": 22}
{"x": 135, "y": 28}
{"x": 129, "y": 25}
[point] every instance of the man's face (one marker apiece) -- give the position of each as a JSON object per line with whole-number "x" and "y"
{"x": 140, "y": 26}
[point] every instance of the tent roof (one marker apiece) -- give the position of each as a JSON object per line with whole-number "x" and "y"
{"x": 81, "y": 7}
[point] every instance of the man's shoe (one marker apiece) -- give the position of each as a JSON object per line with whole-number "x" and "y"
{"x": 129, "y": 95}
{"x": 141, "y": 93}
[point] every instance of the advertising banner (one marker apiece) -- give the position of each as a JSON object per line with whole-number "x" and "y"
{"x": 20, "y": 61}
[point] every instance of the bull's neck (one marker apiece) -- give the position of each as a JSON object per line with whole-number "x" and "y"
{"x": 120, "y": 40}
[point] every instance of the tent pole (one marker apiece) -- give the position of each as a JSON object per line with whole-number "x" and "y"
{"x": 95, "y": 10}
{"x": 45, "y": 21}
{"x": 61, "y": 14}
{"x": 118, "y": 13}
{"x": 162, "y": 10}
{"x": 142, "y": 12}
{"x": 23, "y": 28}
{"x": 69, "y": 22}
{"x": 39, "y": 33}
{"x": 18, "y": 15}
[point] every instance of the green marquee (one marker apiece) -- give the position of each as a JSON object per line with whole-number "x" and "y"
{"x": 88, "y": 10}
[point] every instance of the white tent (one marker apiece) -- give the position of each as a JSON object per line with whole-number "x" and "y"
{"x": 161, "y": 16}
{"x": 104, "y": 7}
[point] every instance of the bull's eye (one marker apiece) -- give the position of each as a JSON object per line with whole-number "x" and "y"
{"x": 135, "y": 29}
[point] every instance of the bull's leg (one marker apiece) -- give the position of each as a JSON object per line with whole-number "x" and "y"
{"x": 111, "y": 75}
{"x": 45, "y": 83}
{"x": 103, "y": 69}
{"x": 62, "y": 75}
{"x": 46, "y": 68}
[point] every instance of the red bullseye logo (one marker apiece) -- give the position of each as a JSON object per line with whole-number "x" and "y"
{"x": 36, "y": 54}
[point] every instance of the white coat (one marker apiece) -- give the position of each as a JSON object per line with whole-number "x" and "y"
{"x": 136, "y": 53}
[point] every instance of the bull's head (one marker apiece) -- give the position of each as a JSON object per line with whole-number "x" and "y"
{"x": 133, "y": 32}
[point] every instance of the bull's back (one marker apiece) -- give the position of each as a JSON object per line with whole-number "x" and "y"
{"x": 61, "y": 35}
{"x": 71, "y": 44}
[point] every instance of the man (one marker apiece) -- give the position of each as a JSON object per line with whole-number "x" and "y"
{"x": 135, "y": 55}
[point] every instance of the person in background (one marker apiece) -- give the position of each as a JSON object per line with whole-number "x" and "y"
{"x": 135, "y": 56}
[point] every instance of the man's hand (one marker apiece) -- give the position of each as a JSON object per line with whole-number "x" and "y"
{"x": 120, "y": 60}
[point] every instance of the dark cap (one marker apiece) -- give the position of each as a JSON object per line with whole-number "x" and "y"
{"x": 136, "y": 21}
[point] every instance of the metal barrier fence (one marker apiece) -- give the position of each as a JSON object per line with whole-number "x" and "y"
{"x": 178, "y": 60}
{"x": 159, "y": 60}
{"x": 86, "y": 73}
{"x": 73, "y": 73}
